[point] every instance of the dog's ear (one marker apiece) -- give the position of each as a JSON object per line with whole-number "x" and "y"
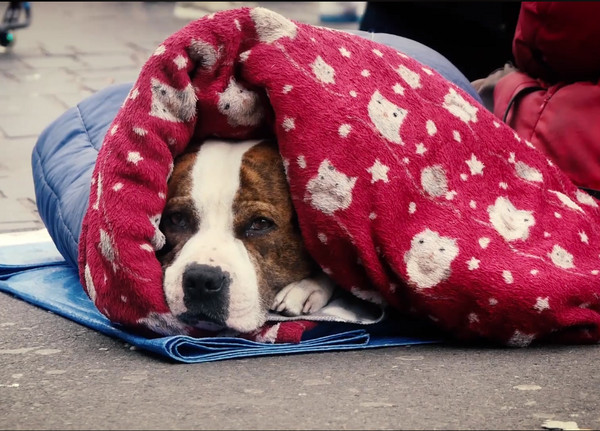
{"x": 271, "y": 142}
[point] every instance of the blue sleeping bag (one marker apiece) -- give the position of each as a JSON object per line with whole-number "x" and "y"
{"x": 64, "y": 156}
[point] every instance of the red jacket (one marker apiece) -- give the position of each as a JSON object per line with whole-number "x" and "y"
{"x": 554, "y": 99}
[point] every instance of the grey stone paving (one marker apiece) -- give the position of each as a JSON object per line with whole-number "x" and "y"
{"x": 56, "y": 374}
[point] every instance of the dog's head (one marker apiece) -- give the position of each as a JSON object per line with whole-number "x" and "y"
{"x": 232, "y": 238}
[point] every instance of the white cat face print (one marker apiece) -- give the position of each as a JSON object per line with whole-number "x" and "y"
{"x": 528, "y": 173}
{"x": 330, "y": 190}
{"x": 433, "y": 181}
{"x": 241, "y": 106}
{"x": 511, "y": 223}
{"x": 386, "y": 117}
{"x": 459, "y": 107}
{"x": 203, "y": 53}
{"x": 323, "y": 71}
{"x": 429, "y": 259}
{"x": 271, "y": 26}
{"x": 561, "y": 257}
{"x": 171, "y": 104}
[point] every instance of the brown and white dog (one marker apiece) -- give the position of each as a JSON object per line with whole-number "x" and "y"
{"x": 233, "y": 246}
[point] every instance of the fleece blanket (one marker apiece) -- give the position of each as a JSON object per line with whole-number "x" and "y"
{"x": 409, "y": 194}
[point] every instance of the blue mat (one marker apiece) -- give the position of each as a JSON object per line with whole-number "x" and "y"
{"x": 36, "y": 272}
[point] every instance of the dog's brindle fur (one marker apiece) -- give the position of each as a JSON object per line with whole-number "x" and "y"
{"x": 264, "y": 220}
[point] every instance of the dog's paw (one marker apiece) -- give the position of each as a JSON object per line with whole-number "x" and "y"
{"x": 304, "y": 296}
{"x": 158, "y": 240}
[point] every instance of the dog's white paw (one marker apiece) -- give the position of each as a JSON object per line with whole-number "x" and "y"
{"x": 304, "y": 296}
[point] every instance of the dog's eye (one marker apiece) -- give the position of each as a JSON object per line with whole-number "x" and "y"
{"x": 259, "y": 225}
{"x": 177, "y": 219}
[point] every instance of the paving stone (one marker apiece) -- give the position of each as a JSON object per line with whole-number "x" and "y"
{"x": 38, "y": 82}
{"x": 71, "y": 99}
{"x": 12, "y": 64}
{"x": 19, "y": 185}
{"x": 106, "y": 61}
{"x": 15, "y": 153}
{"x": 14, "y": 214}
{"x": 54, "y": 62}
{"x": 114, "y": 75}
{"x": 26, "y": 104}
{"x": 29, "y": 123}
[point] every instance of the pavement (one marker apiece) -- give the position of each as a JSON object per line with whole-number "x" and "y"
{"x": 57, "y": 374}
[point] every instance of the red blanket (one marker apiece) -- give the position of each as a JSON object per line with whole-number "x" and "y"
{"x": 408, "y": 192}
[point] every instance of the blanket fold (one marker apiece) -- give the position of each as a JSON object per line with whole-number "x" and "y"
{"x": 408, "y": 192}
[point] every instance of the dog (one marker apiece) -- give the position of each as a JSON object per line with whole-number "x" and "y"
{"x": 233, "y": 247}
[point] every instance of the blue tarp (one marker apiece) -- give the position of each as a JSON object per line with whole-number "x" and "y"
{"x": 38, "y": 274}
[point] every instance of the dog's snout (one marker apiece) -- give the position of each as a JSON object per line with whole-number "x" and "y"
{"x": 205, "y": 294}
{"x": 201, "y": 280}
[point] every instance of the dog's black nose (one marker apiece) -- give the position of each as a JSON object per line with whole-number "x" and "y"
{"x": 204, "y": 280}
{"x": 205, "y": 294}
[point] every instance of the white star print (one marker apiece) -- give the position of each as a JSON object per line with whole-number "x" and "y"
{"x": 520, "y": 339}
{"x": 584, "y": 237}
{"x": 542, "y": 304}
{"x": 378, "y": 172}
{"x": 180, "y": 61}
{"x": 475, "y": 165}
{"x": 134, "y": 157}
{"x": 288, "y": 124}
{"x": 421, "y": 149}
{"x": 344, "y": 130}
{"x": 451, "y": 194}
{"x": 473, "y": 263}
{"x": 473, "y": 318}
{"x": 398, "y": 89}
{"x": 344, "y": 52}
